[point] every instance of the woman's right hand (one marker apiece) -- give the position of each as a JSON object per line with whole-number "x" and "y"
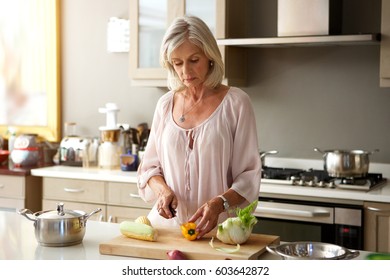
{"x": 165, "y": 202}
{"x": 166, "y": 198}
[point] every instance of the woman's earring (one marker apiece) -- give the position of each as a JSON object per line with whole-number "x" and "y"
{"x": 211, "y": 63}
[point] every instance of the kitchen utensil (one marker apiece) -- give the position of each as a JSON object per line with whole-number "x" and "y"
{"x": 61, "y": 227}
{"x": 346, "y": 163}
{"x": 25, "y": 151}
{"x": 72, "y": 150}
{"x": 263, "y": 154}
{"x": 172, "y": 238}
{"x": 311, "y": 251}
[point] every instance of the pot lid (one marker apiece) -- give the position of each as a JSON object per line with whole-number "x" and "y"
{"x": 60, "y": 213}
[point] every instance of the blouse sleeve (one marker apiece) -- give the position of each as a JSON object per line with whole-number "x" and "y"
{"x": 150, "y": 165}
{"x": 246, "y": 163}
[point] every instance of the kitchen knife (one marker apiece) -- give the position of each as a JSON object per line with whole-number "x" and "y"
{"x": 174, "y": 215}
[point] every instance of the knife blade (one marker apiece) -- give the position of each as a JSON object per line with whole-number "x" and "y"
{"x": 174, "y": 215}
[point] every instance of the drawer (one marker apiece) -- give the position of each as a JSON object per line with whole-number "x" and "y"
{"x": 12, "y": 186}
{"x": 86, "y": 207}
{"x": 11, "y": 204}
{"x": 74, "y": 190}
{"x": 126, "y": 194}
{"x": 119, "y": 214}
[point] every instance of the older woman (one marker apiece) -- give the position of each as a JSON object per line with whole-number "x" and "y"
{"x": 202, "y": 154}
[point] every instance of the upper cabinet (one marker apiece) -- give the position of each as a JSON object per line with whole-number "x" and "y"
{"x": 385, "y": 45}
{"x": 149, "y": 20}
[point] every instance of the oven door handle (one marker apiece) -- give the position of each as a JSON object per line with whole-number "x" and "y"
{"x": 378, "y": 210}
{"x": 292, "y": 212}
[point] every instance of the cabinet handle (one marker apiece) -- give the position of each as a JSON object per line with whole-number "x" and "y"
{"x": 73, "y": 190}
{"x": 378, "y": 210}
{"x": 133, "y": 195}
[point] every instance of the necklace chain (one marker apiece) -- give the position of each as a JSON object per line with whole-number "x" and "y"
{"x": 182, "y": 117}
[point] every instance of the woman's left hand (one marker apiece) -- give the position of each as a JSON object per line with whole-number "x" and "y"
{"x": 208, "y": 214}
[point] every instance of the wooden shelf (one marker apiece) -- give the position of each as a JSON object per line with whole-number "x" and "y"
{"x": 364, "y": 39}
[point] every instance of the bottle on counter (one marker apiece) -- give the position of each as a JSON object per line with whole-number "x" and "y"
{"x": 11, "y": 139}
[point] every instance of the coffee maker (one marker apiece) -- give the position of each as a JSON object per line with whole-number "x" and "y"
{"x": 110, "y": 148}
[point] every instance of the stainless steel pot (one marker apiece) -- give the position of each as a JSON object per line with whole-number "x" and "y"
{"x": 263, "y": 154}
{"x": 346, "y": 163}
{"x": 56, "y": 228}
{"x": 311, "y": 251}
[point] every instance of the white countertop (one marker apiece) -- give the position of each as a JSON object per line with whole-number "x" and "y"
{"x": 17, "y": 242}
{"x": 92, "y": 173}
{"x": 381, "y": 194}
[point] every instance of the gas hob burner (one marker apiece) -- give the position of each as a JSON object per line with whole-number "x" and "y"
{"x": 319, "y": 179}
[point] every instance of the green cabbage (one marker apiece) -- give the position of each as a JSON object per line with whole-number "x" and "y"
{"x": 236, "y": 230}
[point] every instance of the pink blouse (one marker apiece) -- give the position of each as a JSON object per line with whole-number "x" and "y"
{"x": 224, "y": 155}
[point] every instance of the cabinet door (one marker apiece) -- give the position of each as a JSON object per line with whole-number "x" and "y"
{"x": 119, "y": 214}
{"x": 226, "y": 19}
{"x": 149, "y": 20}
{"x": 385, "y": 46}
{"x": 12, "y": 186}
{"x": 126, "y": 194}
{"x": 377, "y": 227}
{"x": 74, "y": 190}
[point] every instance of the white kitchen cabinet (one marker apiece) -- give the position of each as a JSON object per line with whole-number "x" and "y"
{"x": 119, "y": 201}
{"x": 149, "y": 20}
{"x": 83, "y": 195}
{"x": 124, "y": 203}
{"x": 385, "y": 46}
{"x": 377, "y": 227}
{"x": 17, "y": 192}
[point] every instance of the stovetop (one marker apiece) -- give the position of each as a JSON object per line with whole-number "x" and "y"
{"x": 319, "y": 179}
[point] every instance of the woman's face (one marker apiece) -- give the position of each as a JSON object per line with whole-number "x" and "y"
{"x": 190, "y": 64}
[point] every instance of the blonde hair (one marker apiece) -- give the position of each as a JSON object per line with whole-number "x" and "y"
{"x": 198, "y": 33}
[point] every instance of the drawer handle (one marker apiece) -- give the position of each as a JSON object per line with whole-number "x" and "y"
{"x": 378, "y": 210}
{"x": 133, "y": 195}
{"x": 73, "y": 190}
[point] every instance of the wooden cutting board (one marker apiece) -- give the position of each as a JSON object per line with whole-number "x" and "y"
{"x": 172, "y": 239}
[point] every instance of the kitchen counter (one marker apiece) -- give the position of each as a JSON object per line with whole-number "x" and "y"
{"x": 380, "y": 194}
{"x": 17, "y": 242}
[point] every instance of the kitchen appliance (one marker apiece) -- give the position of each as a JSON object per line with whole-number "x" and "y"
{"x": 320, "y": 179}
{"x": 73, "y": 150}
{"x": 295, "y": 220}
{"x": 60, "y": 227}
{"x": 110, "y": 149}
{"x": 321, "y": 221}
{"x": 312, "y": 251}
{"x": 308, "y": 17}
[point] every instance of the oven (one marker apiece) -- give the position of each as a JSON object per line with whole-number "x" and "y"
{"x": 310, "y": 220}
{"x": 295, "y": 220}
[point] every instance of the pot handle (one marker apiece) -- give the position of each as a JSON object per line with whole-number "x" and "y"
{"x": 26, "y": 212}
{"x": 263, "y": 154}
{"x": 86, "y": 217}
{"x": 318, "y": 150}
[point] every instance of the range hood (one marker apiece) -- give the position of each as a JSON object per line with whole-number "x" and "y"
{"x": 364, "y": 39}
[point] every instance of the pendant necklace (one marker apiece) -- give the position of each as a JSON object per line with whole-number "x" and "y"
{"x": 182, "y": 117}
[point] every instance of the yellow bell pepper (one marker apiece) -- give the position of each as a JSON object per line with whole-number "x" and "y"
{"x": 189, "y": 231}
